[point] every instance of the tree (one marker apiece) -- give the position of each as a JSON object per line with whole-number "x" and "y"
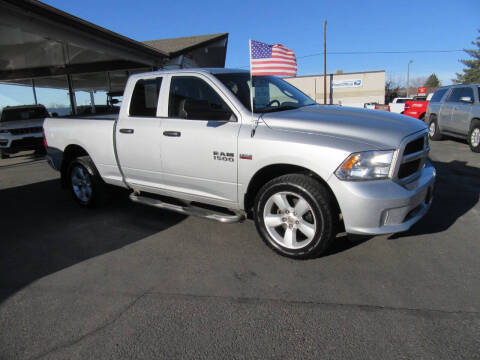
{"x": 432, "y": 82}
{"x": 338, "y": 72}
{"x": 471, "y": 74}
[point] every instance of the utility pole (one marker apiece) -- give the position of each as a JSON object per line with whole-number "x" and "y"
{"x": 325, "y": 62}
{"x": 408, "y": 76}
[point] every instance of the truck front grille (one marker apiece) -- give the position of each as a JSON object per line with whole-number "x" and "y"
{"x": 412, "y": 158}
{"x": 27, "y": 142}
{"x": 30, "y": 130}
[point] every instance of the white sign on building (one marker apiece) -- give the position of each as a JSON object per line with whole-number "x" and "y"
{"x": 346, "y": 83}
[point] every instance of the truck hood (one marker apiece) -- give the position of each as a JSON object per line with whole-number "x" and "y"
{"x": 20, "y": 124}
{"x": 381, "y": 129}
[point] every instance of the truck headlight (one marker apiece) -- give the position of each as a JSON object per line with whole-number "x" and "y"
{"x": 368, "y": 165}
{"x": 4, "y": 131}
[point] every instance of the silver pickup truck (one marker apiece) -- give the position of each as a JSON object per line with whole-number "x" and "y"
{"x": 455, "y": 111}
{"x": 188, "y": 141}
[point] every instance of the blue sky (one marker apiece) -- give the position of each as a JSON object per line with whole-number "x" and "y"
{"x": 352, "y": 26}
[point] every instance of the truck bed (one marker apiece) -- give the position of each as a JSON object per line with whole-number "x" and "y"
{"x": 95, "y": 133}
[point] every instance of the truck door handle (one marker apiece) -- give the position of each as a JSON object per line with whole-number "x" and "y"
{"x": 127, "y": 131}
{"x": 172, "y": 133}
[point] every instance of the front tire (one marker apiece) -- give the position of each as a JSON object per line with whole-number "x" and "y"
{"x": 433, "y": 130}
{"x": 3, "y": 155}
{"x": 86, "y": 185}
{"x": 295, "y": 216}
{"x": 474, "y": 136}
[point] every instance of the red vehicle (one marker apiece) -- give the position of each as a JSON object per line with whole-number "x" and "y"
{"x": 418, "y": 107}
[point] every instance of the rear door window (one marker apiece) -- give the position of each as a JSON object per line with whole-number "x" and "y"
{"x": 145, "y": 97}
{"x": 456, "y": 95}
{"x": 438, "y": 95}
{"x": 468, "y": 91}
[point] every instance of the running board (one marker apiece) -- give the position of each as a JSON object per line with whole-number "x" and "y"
{"x": 189, "y": 209}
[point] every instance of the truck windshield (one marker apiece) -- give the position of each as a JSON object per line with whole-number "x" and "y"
{"x": 270, "y": 93}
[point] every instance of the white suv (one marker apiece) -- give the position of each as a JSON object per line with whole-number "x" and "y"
{"x": 21, "y": 129}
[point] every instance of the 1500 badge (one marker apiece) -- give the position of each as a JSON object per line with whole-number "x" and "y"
{"x": 223, "y": 156}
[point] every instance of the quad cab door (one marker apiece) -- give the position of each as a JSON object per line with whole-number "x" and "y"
{"x": 138, "y": 134}
{"x": 199, "y": 141}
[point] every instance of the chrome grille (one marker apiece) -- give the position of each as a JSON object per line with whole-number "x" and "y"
{"x": 412, "y": 156}
{"x": 30, "y": 130}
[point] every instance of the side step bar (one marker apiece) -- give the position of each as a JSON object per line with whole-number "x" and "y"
{"x": 188, "y": 209}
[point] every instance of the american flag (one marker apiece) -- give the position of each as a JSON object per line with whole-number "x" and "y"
{"x": 271, "y": 59}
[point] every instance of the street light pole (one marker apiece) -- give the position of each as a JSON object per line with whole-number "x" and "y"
{"x": 408, "y": 76}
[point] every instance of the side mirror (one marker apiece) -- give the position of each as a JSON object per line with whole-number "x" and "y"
{"x": 466, "y": 99}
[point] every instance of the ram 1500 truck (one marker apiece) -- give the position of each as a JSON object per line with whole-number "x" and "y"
{"x": 188, "y": 141}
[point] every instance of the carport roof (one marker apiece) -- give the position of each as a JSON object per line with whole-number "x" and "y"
{"x": 176, "y": 46}
{"x": 38, "y": 41}
{"x": 39, "y": 8}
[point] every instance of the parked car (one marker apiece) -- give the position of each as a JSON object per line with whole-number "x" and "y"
{"x": 21, "y": 129}
{"x": 417, "y": 107}
{"x": 398, "y": 104}
{"x": 187, "y": 141}
{"x": 455, "y": 110}
{"x": 370, "y": 105}
{"x": 382, "y": 107}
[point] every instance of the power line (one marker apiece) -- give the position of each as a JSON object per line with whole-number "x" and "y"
{"x": 373, "y": 52}
{"x": 379, "y": 52}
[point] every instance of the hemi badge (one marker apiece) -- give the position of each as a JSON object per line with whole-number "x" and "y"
{"x": 245, "y": 156}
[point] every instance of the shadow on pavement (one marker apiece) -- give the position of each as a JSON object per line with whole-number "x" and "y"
{"x": 43, "y": 231}
{"x": 345, "y": 242}
{"x": 457, "y": 190}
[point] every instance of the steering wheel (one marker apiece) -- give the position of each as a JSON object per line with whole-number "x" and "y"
{"x": 273, "y": 102}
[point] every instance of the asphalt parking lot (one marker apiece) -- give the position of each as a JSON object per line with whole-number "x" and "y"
{"x": 128, "y": 281}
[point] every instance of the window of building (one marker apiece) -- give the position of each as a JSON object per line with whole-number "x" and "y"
{"x": 145, "y": 97}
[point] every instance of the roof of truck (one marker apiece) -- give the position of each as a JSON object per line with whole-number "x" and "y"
{"x": 190, "y": 70}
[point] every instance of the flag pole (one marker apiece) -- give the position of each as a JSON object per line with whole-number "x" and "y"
{"x": 251, "y": 88}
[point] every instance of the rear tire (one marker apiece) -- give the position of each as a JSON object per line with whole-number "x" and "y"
{"x": 433, "y": 129}
{"x": 474, "y": 136}
{"x": 85, "y": 183}
{"x": 295, "y": 216}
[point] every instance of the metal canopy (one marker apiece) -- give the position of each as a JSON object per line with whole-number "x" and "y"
{"x": 37, "y": 40}
{"x": 43, "y": 47}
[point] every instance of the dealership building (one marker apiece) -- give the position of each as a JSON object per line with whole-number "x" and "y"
{"x": 348, "y": 89}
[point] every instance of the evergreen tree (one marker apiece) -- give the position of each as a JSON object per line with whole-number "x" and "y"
{"x": 432, "y": 82}
{"x": 471, "y": 74}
